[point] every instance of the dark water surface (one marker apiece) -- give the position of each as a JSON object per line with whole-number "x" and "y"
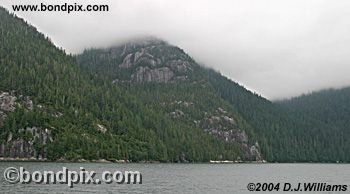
{"x": 185, "y": 178}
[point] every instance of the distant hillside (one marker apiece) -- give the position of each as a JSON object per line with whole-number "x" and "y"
{"x": 148, "y": 100}
{"x": 50, "y": 108}
{"x": 331, "y": 108}
{"x": 164, "y": 77}
{"x": 285, "y": 135}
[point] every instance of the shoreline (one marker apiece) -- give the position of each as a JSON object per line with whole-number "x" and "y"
{"x": 101, "y": 161}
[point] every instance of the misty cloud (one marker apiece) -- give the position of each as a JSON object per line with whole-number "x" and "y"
{"x": 276, "y": 48}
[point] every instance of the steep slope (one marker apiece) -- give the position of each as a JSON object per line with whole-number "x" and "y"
{"x": 287, "y": 136}
{"x": 52, "y": 109}
{"x": 330, "y": 108}
{"x": 168, "y": 80}
{"x": 148, "y": 100}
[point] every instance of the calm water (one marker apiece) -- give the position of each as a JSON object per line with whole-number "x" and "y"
{"x": 185, "y": 178}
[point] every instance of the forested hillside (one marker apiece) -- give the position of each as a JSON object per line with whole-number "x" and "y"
{"x": 331, "y": 108}
{"x": 52, "y": 109}
{"x": 166, "y": 79}
{"x": 147, "y": 100}
{"x": 163, "y": 75}
{"x": 285, "y": 135}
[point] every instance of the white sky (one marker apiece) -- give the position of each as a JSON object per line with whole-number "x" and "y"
{"x": 278, "y": 48}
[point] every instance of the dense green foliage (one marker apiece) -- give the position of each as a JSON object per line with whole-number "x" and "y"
{"x": 330, "y": 106}
{"x": 91, "y": 89}
{"x": 285, "y": 135}
{"x": 193, "y": 97}
{"x": 308, "y": 133}
{"x": 31, "y": 65}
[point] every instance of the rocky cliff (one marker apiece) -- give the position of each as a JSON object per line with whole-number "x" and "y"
{"x": 219, "y": 123}
{"x": 106, "y": 104}
{"x": 146, "y": 60}
{"x": 187, "y": 95}
{"x": 29, "y": 142}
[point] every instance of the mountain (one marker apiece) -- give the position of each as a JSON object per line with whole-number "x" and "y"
{"x": 331, "y": 108}
{"x": 164, "y": 77}
{"x": 52, "y": 108}
{"x": 288, "y": 135}
{"x": 148, "y": 100}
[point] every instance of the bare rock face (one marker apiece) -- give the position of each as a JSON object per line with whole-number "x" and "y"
{"x": 153, "y": 61}
{"x": 139, "y": 54}
{"x": 7, "y": 102}
{"x": 25, "y": 147}
{"x": 221, "y": 124}
{"x": 254, "y": 151}
{"x": 179, "y": 66}
{"x": 177, "y": 114}
{"x": 242, "y": 136}
{"x": 127, "y": 62}
{"x": 28, "y": 103}
{"x": 101, "y": 128}
{"x": 147, "y": 60}
{"x": 27, "y": 142}
{"x": 145, "y": 74}
{"x": 2, "y": 118}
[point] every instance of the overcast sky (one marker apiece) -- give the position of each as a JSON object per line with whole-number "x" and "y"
{"x": 277, "y": 48}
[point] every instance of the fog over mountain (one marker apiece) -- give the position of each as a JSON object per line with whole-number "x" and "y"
{"x": 277, "y": 48}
